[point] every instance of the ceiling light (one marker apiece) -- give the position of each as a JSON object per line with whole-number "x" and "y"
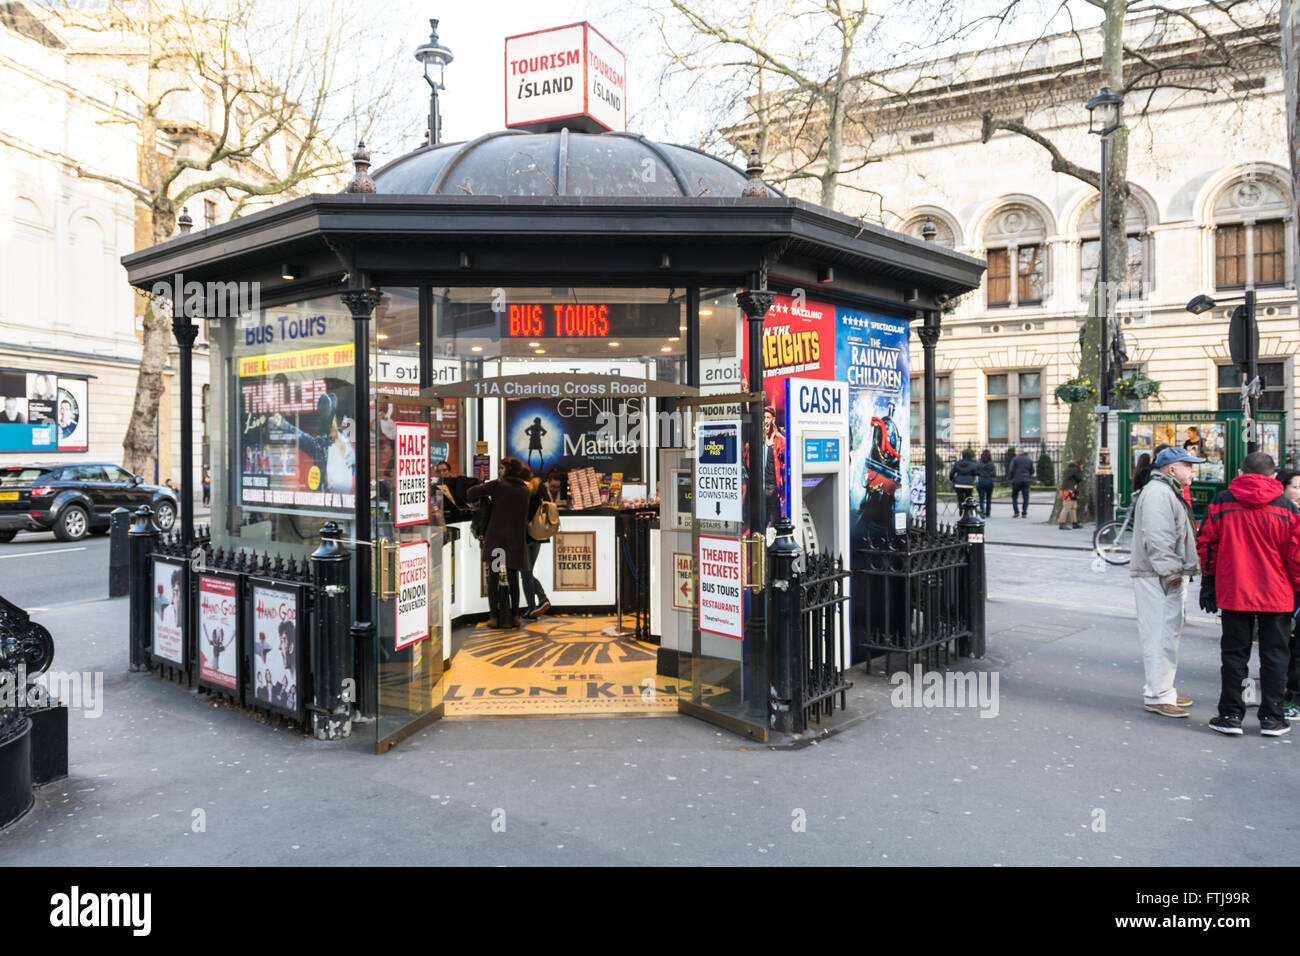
{"x": 613, "y": 345}
{"x": 533, "y": 345}
{"x": 666, "y": 348}
{"x": 540, "y": 351}
{"x": 675, "y": 338}
{"x": 381, "y": 336}
{"x": 706, "y": 311}
{"x": 476, "y": 348}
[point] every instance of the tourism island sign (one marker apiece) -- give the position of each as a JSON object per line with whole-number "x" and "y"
{"x": 566, "y": 76}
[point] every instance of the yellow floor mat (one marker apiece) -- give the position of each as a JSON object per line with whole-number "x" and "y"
{"x": 558, "y": 666}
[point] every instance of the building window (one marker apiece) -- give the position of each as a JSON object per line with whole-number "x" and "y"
{"x": 1015, "y": 243}
{"x": 1015, "y": 406}
{"x": 209, "y": 213}
{"x": 1272, "y": 378}
{"x": 1251, "y": 234}
{"x": 942, "y": 408}
{"x": 1136, "y": 227}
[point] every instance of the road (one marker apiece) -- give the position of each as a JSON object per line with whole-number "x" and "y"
{"x": 38, "y": 572}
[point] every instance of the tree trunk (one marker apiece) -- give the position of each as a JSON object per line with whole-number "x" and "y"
{"x": 140, "y": 445}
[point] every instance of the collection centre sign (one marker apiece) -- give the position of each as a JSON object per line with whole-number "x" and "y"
{"x": 570, "y": 74}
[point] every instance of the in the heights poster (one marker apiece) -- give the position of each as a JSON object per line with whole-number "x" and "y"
{"x": 872, "y": 357}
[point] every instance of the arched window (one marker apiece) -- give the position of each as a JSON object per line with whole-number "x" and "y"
{"x": 1015, "y": 243}
{"x": 931, "y": 227}
{"x": 1136, "y": 284}
{"x": 1250, "y": 233}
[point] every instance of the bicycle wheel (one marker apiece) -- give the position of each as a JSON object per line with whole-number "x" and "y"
{"x": 1114, "y": 542}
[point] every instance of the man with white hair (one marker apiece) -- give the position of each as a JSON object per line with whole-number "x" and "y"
{"x": 1164, "y": 557}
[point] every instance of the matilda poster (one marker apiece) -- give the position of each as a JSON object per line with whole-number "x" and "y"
{"x": 297, "y": 448}
{"x": 567, "y": 433}
{"x": 798, "y": 339}
{"x": 872, "y": 357}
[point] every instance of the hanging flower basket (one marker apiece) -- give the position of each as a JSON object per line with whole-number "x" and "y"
{"x": 1076, "y": 390}
{"x": 1137, "y": 387}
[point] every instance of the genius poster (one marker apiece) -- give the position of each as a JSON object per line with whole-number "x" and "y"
{"x": 568, "y": 433}
{"x": 871, "y": 355}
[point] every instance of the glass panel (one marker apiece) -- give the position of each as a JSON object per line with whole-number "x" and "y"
{"x": 997, "y": 384}
{"x": 1273, "y": 401}
{"x": 942, "y": 386}
{"x": 1270, "y": 246}
{"x": 1229, "y": 401}
{"x": 917, "y": 412}
{"x": 1228, "y": 376}
{"x": 1088, "y": 250}
{"x": 1134, "y": 285}
{"x": 1030, "y": 418}
{"x": 942, "y": 422}
{"x": 1030, "y": 269}
{"x": 410, "y": 587}
{"x": 999, "y": 277}
{"x": 1029, "y": 383}
{"x": 1272, "y": 374}
{"x": 1229, "y": 256}
{"x": 998, "y": 421}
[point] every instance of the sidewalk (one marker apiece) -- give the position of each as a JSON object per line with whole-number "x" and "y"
{"x": 1001, "y": 527}
{"x": 164, "y": 777}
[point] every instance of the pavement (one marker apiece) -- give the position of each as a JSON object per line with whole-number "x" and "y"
{"x": 1066, "y": 770}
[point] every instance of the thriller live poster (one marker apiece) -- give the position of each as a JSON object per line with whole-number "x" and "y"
{"x": 872, "y": 356}
{"x": 798, "y": 339}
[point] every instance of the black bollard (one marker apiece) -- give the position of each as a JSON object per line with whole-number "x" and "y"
{"x": 119, "y": 553}
{"x": 785, "y": 597}
{"x": 975, "y": 587}
{"x": 334, "y": 692}
{"x": 142, "y": 537}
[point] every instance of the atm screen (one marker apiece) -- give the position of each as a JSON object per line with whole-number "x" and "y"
{"x": 812, "y": 481}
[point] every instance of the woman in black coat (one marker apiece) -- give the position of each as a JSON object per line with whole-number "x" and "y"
{"x": 987, "y": 471}
{"x": 506, "y": 538}
{"x": 963, "y": 475}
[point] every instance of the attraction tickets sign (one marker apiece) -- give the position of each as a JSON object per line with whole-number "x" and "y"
{"x": 718, "y": 484}
{"x": 169, "y": 616}
{"x": 568, "y": 73}
{"x": 297, "y": 449}
{"x": 411, "y": 623}
{"x": 721, "y": 590}
{"x": 412, "y": 478}
{"x": 219, "y": 632}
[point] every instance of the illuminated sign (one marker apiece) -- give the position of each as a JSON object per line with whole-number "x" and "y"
{"x": 560, "y": 320}
{"x": 567, "y": 76}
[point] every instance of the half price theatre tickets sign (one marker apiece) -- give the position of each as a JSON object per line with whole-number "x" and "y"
{"x": 569, "y": 73}
{"x": 412, "y": 489}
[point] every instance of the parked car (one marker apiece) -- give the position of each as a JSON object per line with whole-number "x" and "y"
{"x": 76, "y": 500}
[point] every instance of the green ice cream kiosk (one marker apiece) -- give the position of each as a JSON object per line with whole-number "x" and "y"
{"x": 1218, "y": 437}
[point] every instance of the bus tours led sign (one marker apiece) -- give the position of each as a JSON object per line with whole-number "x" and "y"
{"x": 562, "y": 320}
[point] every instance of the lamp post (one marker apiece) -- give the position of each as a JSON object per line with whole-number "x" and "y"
{"x": 433, "y": 52}
{"x": 1104, "y": 118}
{"x": 1243, "y": 347}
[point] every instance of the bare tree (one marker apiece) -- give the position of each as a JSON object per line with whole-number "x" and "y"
{"x": 224, "y": 97}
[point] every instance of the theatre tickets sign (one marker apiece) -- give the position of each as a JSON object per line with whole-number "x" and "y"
{"x": 570, "y": 74}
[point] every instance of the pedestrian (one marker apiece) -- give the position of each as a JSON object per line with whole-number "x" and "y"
{"x": 1021, "y": 473}
{"x": 987, "y": 471}
{"x": 505, "y": 549}
{"x": 963, "y": 475}
{"x": 1141, "y": 472}
{"x": 1250, "y": 553}
{"x": 541, "y": 528}
{"x": 1290, "y": 481}
{"x": 207, "y": 486}
{"x": 1070, "y": 482}
{"x": 1163, "y": 557}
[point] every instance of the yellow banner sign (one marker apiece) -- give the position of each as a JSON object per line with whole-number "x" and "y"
{"x": 306, "y": 360}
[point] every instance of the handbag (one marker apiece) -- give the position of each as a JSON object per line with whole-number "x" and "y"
{"x": 478, "y": 525}
{"x": 545, "y": 522}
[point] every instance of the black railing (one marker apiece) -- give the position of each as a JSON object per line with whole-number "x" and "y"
{"x": 1044, "y": 473}
{"x": 633, "y": 535}
{"x": 918, "y": 596}
{"x": 819, "y": 679}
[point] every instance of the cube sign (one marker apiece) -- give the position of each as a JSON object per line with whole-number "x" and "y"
{"x": 569, "y": 76}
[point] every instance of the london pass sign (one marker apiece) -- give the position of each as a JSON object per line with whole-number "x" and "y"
{"x": 567, "y": 76}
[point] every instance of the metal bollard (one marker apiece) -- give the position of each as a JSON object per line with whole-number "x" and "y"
{"x": 119, "y": 553}
{"x": 331, "y": 699}
{"x": 975, "y": 587}
{"x": 142, "y": 538}
{"x": 784, "y": 615}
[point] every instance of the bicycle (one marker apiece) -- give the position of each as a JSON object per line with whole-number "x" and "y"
{"x": 1113, "y": 541}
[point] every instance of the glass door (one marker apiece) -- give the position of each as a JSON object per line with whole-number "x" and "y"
{"x": 723, "y": 673}
{"x": 407, "y": 600}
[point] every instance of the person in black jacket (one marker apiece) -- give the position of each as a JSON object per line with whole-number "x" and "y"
{"x": 1021, "y": 474}
{"x": 987, "y": 471}
{"x": 1142, "y": 472}
{"x": 505, "y": 547}
{"x": 1070, "y": 494}
{"x": 963, "y": 475}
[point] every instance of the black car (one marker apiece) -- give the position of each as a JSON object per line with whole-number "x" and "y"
{"x": 75, "y": 500}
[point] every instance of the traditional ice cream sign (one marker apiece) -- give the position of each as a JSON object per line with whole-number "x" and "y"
{"x": 568, "y": 76}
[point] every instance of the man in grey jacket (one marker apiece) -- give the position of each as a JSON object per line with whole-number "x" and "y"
{"x": 1164, "y": 557}
{"x": 1021, "y": 472}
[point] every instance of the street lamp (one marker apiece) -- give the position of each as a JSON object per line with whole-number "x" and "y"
{"x": 433, "y": 52}
{"x": 1104, "y": 118}
{"x": 1243, "y": 347}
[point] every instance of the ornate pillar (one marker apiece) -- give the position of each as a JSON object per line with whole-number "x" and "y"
{"x": 929, "y": 333}
{"x": 185, "y": 331}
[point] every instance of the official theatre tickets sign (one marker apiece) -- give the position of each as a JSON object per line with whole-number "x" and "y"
{"x": 575, "y": 561}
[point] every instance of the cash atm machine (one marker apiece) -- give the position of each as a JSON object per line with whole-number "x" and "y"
{"x": 817, "y": 470}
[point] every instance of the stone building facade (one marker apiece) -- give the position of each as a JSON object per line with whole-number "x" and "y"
{"x": 1210, "y": 212}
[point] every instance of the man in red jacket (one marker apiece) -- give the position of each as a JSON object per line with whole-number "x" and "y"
{"x": 1249, "y": 548}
